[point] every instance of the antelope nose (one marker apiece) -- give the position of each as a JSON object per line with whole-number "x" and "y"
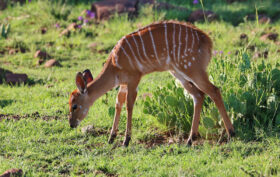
{"x": 72, "y": 126}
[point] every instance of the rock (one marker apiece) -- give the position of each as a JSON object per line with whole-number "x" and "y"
{"x": 89, "y": 130}
{"x": 13, "y": 51}
{"x": 42, "y": 55}
{"x": 262, "y": 18}
{"x": 104, "y": 9}
{"x": 67, "y": 31}
{"x": 198, "y": 15}
{"x": 269, "y": 36}
{"x": 43, "y": 30}
{"x": 13, "y": 78}
{"x": 260, "y": 54}
{"x": 243, "y": 36}
{"x": 12, "y": 172}
{"x": 170, "y": 141}
{"x": 51, "y": 63}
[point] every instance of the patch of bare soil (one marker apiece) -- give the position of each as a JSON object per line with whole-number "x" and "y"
{"x": 105, "y": 172}
{"x": 91, "y": 130}
{"x": 34, "y": 115}
{"x": 167, "y": 138}
{"x": 12, "y": 172}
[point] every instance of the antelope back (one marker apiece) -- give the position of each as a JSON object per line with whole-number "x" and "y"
{"x": 160, "y": 45}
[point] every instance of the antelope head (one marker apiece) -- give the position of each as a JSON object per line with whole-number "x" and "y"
{"x": 78, "y": 102}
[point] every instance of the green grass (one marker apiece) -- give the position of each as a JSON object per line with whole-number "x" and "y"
{"x": 45, "y": 145}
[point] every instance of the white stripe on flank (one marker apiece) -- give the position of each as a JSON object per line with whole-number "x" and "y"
{"x": 192, "y": 39}
{"x": 153, "y": 42}
{"x": 128, "y": 57}
{"x": 174, "y": 46}
{"x": 167, "y": 47}
{"x": 143, "y": 46}
{"x": 139, "y": 54}
{"x": 116, "y": 60}
{"x": 145, "y": 54}
{"x": 140, "y": 57}
{"x": 140, "y": 67}
{"x": 179, "y": 47}
{"x": 186, "y": 38}
{"x": 196, "y": 36}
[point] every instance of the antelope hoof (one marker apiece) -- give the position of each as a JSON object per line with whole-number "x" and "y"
{"x": 189, "y": 142}
{"x": 222, "y": 139}
{"x": 126, "y": 141}
{"x": 192, "y": 138}
{"x": 231, "y": 134}
{"x": 112, "y": 138}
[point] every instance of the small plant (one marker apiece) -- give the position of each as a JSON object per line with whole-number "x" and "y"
{"x": 5, "y": 29}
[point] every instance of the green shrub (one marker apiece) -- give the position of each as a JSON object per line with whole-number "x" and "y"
{"x": 250, "y": 89}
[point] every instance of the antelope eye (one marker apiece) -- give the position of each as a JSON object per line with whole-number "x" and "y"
{"x": 74, "y": 107}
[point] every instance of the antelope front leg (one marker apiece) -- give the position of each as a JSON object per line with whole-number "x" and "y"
{"x": 119, "y": 103}
{"x": 130, "y": 99}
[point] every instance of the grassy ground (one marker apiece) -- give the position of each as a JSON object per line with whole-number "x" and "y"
{"x": 40, "y": 141}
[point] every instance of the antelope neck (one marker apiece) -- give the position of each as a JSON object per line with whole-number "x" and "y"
{"x": 104, "y": 82}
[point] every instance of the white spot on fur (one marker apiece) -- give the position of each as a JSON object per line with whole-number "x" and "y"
{"x": 193, "y": 58}
{"x": 189, "y": 63}
{"x": 185, "y": 66}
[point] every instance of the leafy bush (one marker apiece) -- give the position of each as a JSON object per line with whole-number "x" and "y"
{"x": 251, "y": 92}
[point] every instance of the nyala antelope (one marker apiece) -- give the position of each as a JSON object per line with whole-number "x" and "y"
{"x": 180, "y": 48}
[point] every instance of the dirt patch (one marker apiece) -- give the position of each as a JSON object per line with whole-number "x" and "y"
{"x": 104, "y": 171}
{"x": 12, "y": 172}
{"x": 168, "y": 138}
{"x": 34, "y": 115}
{"x": 91, "y": 130}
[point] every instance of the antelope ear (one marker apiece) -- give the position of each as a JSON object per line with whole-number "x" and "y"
{"x": 87, "y": 75}
{"x": 81, "y": 82}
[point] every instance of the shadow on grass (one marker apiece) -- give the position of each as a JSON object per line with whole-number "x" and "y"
{"x": 4, "y": 103}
